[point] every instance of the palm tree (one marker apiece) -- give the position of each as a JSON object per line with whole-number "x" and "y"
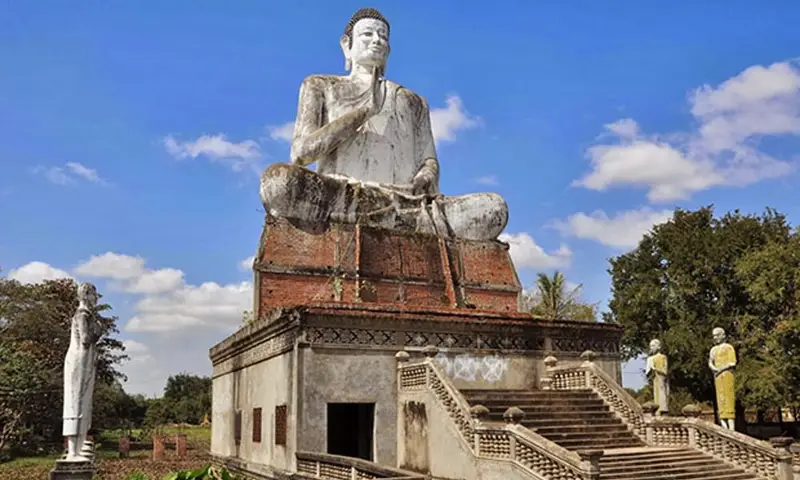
{"x": 554, "y": 300}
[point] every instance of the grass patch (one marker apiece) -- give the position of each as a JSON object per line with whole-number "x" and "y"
{"x": 111, "y": 467}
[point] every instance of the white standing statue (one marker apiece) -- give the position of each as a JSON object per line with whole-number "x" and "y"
{"x": 657, "y": 367}
{"x": 80, "y": 365}
{"x": 375, "y": 153}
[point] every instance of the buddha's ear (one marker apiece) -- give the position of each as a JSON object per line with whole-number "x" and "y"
{"x": 344, "y": 42}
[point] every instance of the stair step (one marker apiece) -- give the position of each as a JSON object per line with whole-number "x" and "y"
{"x": 656, "y": 464}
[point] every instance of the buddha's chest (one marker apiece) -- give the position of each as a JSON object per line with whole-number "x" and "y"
{"x": 387, "y": 125}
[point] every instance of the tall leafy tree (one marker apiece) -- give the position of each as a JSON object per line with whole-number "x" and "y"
{"x": 187, "y": 398}
{"x": 696, "y": 272}
{"x": 555, "y": 300}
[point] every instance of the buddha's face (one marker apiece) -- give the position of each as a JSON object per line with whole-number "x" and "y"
{"x": 87, "y": 293}
{"x": 370, "y": 43}
{"x": 655, "y": 347}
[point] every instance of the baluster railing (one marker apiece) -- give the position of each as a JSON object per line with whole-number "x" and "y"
{"x": 769, "y": 461}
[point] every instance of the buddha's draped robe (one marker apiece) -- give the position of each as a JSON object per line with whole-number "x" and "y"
{"x": 723, "y": 356}
{"x": 79, "y": 374}
{"x": 658, "y": 365}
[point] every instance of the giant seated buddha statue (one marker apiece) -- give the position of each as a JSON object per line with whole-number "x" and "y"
{"x": 375, "y": 156}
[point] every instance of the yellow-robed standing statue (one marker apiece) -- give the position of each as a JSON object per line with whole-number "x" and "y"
{"x": 722, "y": 361}
{"x": 656, "y": 368}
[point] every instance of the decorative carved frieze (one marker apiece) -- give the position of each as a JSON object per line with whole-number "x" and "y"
{"x": 265, "y": 350}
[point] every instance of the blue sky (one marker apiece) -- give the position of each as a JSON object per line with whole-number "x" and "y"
{"x": 131, "y": 134}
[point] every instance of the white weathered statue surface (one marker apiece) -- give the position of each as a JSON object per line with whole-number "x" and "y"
{"x": 722, "y": 362}
{"x": 656, "y": 368}
{"x": 80, "y": 366}
{"x": 375, "y": 154}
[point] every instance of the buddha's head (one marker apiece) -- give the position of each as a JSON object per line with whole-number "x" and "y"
{"x": 719, "y": 335}
{"x": 655, "y": 347}
{"x": 87, "y": 295}
{"x": 366, "y": 40}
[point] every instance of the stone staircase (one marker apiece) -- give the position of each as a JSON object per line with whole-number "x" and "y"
{"x": 666, "y": 463}
{"x": 580, "y": 420}
{"x": 574, "y": 419}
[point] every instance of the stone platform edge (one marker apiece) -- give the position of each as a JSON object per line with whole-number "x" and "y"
{"x": 394, "y": 328}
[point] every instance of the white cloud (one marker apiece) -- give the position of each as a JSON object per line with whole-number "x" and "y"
{"x": 137, "y": 351}
{"x": 167, "y": 303}
{"x": 55, "y": 175}
{"x": 242, "y": 156}
{"x": 623, "y": 230}
{"x": 206, "y": 305}
{"x": 130, "y": 274}
{"x": 247, "y": 263}
{"x": 86, "y": 173}
{"x": 112, "y": 265}
{"x": 489, "y": 180}
{"x": 452, "y": 118}
{"x": 69, "y": 175}
{"x": 282, "y": 132}
{"x": 527, "y": 254}
{"x": 157, "y": 281}
{"x": 37, "y": 272}
{"x": 722, "y": 151}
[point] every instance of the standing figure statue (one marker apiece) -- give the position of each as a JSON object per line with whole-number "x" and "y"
{"x": 657, "y": 368}
{"x": 375, "y": 153}
{"x": 722, "y": 361}
{"x": 80, "y": 366}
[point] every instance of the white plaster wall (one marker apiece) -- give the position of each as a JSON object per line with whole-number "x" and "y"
{"x": 497, "y": 370}
{"x": 222, "y": 394}
{"x": 348, "y": 376}
{"x": 265, "y": 385}
{"x": 449, "y": 455}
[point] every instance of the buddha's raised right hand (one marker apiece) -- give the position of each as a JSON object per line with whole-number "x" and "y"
{"x": 376, "y": 89}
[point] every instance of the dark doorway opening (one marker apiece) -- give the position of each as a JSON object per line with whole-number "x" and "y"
{"x": 350, "y": 427}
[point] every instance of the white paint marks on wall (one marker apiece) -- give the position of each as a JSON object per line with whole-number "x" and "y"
{"x": 471, "y": 368}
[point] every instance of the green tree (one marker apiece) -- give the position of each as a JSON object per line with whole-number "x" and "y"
{"x": 696, "y": 272}
{"x": 187, "y": 398}
{"x": 34, "y": 336}
{"x": 554, "y": 300}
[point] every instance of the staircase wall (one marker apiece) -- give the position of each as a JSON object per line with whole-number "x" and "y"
{"x": 429, "y": 442}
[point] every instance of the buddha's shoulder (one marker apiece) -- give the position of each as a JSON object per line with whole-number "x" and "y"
{"x": 322, "y": 80}
{"x": 409, "y": 95}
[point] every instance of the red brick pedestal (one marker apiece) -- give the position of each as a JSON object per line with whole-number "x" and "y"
{"x": 158, "y": 447}
{"x": 124, "y": 446}
{"x": 352, "y": 264}
{"x": 180, "y": 445}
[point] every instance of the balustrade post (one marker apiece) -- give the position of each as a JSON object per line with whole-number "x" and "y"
{"x": 429, "y": 351}
{"x": 353, "y": 473}
{"x": 546, "y": 381}
{"x": 692, "y": 413}
{"x": 593, "y": 458}
{"x": 588, "y": 358}
{"x": 649, "y": 409}
{"x": 402, "y": 357}
{"x": 784, "y": 447}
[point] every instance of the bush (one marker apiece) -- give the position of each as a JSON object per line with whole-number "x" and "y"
{"x": 206, "y": 473}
